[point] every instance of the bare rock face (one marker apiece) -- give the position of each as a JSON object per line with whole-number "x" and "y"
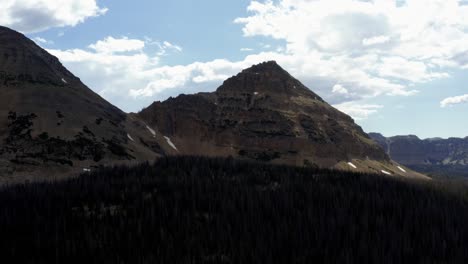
{"x": 49, "y": 120}
{"x": 263, "y": 114}
{"x": 412, "y": 150}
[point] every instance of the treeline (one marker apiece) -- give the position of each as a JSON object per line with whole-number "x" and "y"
{"x": 200, "y": 210}
{"x": 443, "y": 171}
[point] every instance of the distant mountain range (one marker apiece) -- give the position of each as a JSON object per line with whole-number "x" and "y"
{"x": 52, "y": 125}
{"x": 437, "y": 156}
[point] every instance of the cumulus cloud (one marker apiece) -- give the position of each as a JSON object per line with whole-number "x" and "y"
{"x": 375, "y": 40}
{"x": 166, "y": 47}
{"x": 383, "y": 43}
{"x": 358, "y": 111}
{"x": 108, "y": 73}
{"x": 122, "y": 68}
{"x": 339, "y": 89}
{"x": 454, "y": 100}
{"x": 113, "y": 45}
{"x": 407, "y": 70}
{"x": 42, "y": 41}
{"x": 37, "y": 15}
{"x": 345, "y": 50}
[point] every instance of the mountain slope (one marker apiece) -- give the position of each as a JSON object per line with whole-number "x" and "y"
{"x": 265, "y": 114}
{"x": 50, "y": 122}
{"x": 438, "y": 156}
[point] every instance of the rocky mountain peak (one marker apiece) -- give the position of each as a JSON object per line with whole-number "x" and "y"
{"x": 265, "y": 114}
{"x": 266, "y": 67}
{"x": 267, "y": 78}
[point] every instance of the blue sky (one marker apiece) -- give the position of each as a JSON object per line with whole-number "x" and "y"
{"x": 394, "y": 72}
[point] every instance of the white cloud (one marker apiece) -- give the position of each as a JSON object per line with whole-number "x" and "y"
{"x": 110, "y": 66}
{"x": 374, "y": 47}
{"x": 454, "y": 100}
{"x": 42, "y": 41}
{"x": 339, "y": 89}
{"x": 375, "y": 40}
{"x": 118, "y": 68}
{"x": 345, "y": 50}
{"x": 113, "y": 45}
{"x": 246, "y": 49}
{"x": 38, "y": 15}
{"x": 407, "y": 70}
{"x": 358, "y": 111}
{"x": 165, "y": 47}
{"x": 168, "y": 45}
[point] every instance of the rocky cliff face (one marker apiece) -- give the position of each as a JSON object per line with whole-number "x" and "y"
{"x": 265, "y": 114}
{"x": 51, "y": 123}
{"x": 436, "y": 155}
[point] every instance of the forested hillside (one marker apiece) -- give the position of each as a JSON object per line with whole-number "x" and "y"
{"x": 199, "y": 210}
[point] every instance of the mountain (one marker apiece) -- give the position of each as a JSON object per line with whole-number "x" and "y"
{"x": 52, "y": 124}
{"x": 265, "y": 114}
{"x": 442, "y": 157}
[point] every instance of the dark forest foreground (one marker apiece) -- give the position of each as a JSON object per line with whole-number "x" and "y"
{"x": 200, "y": 210}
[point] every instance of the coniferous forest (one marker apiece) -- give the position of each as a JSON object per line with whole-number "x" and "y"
{"x": 201, "y": 210}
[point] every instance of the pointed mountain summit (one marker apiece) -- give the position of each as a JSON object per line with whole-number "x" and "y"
{"x": 265, "y": 114}
{"x": 51, "y": 123}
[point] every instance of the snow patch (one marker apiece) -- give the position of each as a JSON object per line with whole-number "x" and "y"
{"x": 400, "y": 168}
{"x": 64, "y": 81}
{"x": 170, "y": 143}
{"x": 352, "y": 165}
{"x": 386, "y": 172}
{"x": 151, "y": 131}
{"x": 130, "y": 137}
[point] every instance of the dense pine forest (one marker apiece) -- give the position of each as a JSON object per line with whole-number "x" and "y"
{"x": 443, "y": 171}
{"x": 201, "y": 210}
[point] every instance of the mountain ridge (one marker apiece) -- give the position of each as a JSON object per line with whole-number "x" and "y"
{"x": 53, "y": 125}
{"x": 265, "y": 114}
{"x": 437, "y": 156}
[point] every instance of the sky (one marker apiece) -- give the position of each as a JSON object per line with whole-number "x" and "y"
{"x": 398, "y": 67}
